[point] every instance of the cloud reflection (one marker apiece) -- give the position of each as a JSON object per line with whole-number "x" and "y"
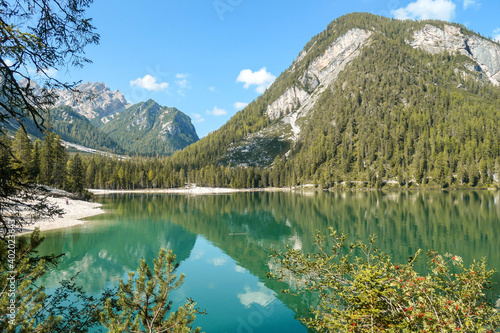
{"x": 262, "y": 296}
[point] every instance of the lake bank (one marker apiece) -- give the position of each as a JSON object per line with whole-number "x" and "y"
{"x": 195, "y": 190}
{"x": 190, "y": 190}
{"x": 74, "y": 212}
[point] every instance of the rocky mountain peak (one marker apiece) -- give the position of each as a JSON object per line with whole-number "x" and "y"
{"x": 150, "y": 128}
{"x": 96, "y": 100}
{"x": 452, "y": 39}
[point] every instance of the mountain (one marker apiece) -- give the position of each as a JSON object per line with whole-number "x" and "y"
{"x": 371, "y": 99}
{"x": 151, "y": 129}
{"x": 95, "y": 117}
{"x": 95, "y": 101}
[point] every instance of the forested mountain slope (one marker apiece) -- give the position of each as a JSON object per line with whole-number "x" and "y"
{"x": 73, "y": 127}
{"x": 369, "y": 102}
{"x": 151, "y": 129}
{"x": 98, "y": 118}
{"x": 371, "y": 99}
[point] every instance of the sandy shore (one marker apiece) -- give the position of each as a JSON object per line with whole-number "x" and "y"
{"x": 75, "y": 210}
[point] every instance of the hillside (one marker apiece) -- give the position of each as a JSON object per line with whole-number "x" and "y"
{"x": 150, "y": 129}
{"x": 75, "y": 128}
{"x": 371, "y": 99}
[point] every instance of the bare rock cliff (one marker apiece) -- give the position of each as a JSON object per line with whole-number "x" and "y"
{"x": 451, "y": 39}
{"x": 100, "y": 102}
{"x": 296, "y": 101}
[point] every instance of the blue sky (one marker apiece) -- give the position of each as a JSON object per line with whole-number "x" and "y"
{"x": 209, "y": 57}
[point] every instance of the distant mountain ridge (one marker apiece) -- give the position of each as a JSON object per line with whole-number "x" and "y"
{"x": 95, "y": 117}
{"x": 75, "y": 128}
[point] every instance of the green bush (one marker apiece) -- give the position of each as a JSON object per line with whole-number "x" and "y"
{"x": 360, "y": 289}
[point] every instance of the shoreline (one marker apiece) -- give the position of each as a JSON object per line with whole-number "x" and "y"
{"x": 195, "y": 190}
{"x": 75, "y": 211}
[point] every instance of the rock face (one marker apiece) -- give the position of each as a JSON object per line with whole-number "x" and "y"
{"x": 451, "y": 39}
{"x": 286, "y": 103}
{"x": 297, "y": 101}
{"x": 100, "y": 103}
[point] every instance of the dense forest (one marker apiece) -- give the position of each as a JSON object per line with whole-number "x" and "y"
{"x": 47, "y": 162}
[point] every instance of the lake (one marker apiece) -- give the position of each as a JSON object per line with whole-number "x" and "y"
{"x": 222, "y": 242}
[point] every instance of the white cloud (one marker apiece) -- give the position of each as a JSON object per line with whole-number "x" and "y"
{"x": 44, "y": 72}
{"x": 212, "y": 89}
{"x": 184, "y": 83}
{"x": 217, "y": 112}
{"x": 52, "y": 72}
{"x": 426, "y": 9}
{"x": 471, "y": 3}
{"x": 220, "y": 261}
{"x": 263, "y": 296}
{"x": 240, "y": 105}
{"x": 182, "y": 80}
{"x": 198, "y": 118}
{"x": 9, "y": 62}
{"x": 496, "y": 35}
{"x": 148, "y": 82}
{"x": 261, "y": 78}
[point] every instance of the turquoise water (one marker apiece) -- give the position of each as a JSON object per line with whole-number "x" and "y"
{"x": 222, "y": 242}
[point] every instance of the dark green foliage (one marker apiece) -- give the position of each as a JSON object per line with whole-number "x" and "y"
{"x": 26, "y": 298}
{"x": 75, "y": 178}
{"x": 23, "y": 149}
{"x": 53, "y": 159}
{"x": 21, "y": 201}
{"x": 412, "y": 118}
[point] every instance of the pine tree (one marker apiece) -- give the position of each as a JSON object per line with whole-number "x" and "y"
{"x": 60, "y": 161}
{"x": 27, "y": 300}
{"x": 90, "y": 174}
{"x": 22, "y": 150}
{"x": 47, "y": 158}
{"x": 75, "y": 178}
{"x": 35, "y": 162}
{"x": 143, "y": 303}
